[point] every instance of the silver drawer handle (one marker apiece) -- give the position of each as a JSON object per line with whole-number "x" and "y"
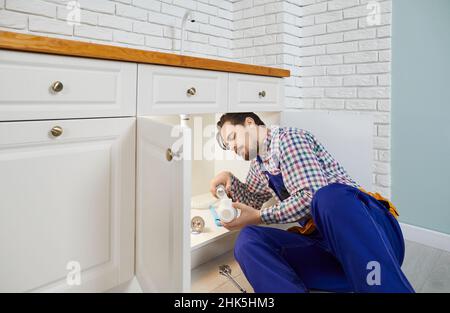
{"x": 191, "y": 91}
{"x": 57, "y": 86}
{"x": 56, "y": 131}
{"x": 262, "y": 94}
{"x": 170, "y": 154}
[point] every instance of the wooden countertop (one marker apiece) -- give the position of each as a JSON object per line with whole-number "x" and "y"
{"x": 32, "y": 43}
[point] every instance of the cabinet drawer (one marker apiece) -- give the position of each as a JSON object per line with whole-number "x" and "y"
{"x": 255, "y": 93}
{"x": 39, "y": 86}
{"x": 166, "y": 90}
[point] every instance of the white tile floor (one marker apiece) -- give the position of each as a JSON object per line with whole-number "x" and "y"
{"x": 206, "y": 278}
{"x": 428, "y": 270}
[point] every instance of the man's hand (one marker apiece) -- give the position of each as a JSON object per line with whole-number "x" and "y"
{"x": 223, "y": 178}
{"x": 249, "y": 216}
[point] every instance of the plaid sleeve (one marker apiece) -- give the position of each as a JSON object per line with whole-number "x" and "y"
{"x": 253, "y": 192}
{"x": 302, "y": 176}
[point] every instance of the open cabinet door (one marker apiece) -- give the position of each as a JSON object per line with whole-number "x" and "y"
{"x": 348, "y": 136}
{"x": 163, "y": 208}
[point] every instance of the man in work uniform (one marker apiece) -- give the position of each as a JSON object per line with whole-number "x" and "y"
{"x": 347, "y": 239}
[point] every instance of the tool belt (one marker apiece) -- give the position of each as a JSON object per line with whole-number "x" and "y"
{"x": 310, "y": 226}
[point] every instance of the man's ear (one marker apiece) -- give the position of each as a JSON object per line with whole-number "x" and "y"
{"x": 249, "y": 121}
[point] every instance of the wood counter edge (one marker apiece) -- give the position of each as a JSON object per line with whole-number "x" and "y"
{"x": 49, "y": 45}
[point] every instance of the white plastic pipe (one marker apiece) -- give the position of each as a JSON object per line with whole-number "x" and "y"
{"x": 184, "y": 118}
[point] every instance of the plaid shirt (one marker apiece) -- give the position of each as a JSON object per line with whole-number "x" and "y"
{"x": 305, "y": 165}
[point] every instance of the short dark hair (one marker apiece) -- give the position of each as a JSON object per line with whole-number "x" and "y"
{"x": 235, "y": 119}
{"x": 238, "y": 119}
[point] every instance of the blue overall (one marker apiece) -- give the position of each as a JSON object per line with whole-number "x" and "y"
{"x": 357, "y": 247}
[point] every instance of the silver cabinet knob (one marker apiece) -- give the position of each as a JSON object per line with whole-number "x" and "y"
{"x": 56, "y": 131}
{"x": 169, "y": 154}
{"x": 197, "y": 224}
{"x": 262, "y": 94}
{"x": 191, "y": 91}
{"x": 57, "y": 86}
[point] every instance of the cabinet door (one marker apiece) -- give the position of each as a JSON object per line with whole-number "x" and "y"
{"x": 163, "y": 207}
{"x": 348, "y": 136}
{"x": 171, "y": 90}
{"x": 255, "y": 93}
{"x": 66, "y": 204}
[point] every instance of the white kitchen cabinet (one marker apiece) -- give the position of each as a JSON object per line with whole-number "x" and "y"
{"x": 66, "y": 197}
{"x": 68, "y": 171}
{"x": 249, "y": 93}
{"x": 171, "y": 90}
{"x": 38, "y": 86}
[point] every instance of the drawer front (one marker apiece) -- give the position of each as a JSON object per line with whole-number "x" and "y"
{"x": 255, "y": 93}
{"x": 39, "y": 86}
{"x": 167, "y": 90}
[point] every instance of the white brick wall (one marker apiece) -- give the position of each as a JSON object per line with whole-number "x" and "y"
{"x": 337, "y": 60}
{"x": 349, "y": 61}
{"x": 142, "y": 24}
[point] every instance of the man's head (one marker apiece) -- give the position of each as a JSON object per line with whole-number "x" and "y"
{"x": 240, "y": 132}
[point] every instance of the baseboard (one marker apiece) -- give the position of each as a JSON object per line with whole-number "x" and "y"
{"x": 426, "y": 237}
